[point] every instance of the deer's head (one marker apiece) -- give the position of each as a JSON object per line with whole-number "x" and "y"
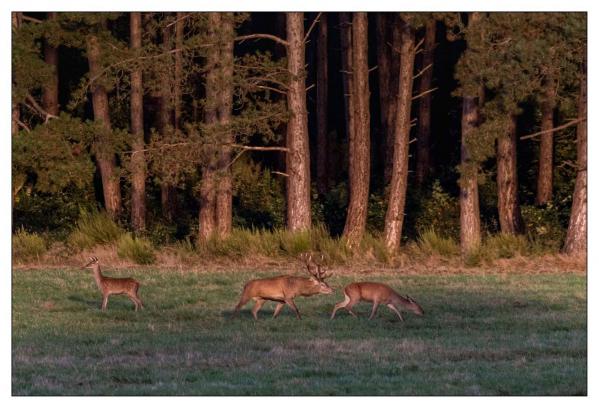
{"x": 318, "y": 272}
{"x": 92, "y": 261}
{"x": 414, "y": 307}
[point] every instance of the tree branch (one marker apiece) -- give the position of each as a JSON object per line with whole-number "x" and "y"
{"x": 565, "y": 125}
{"x": 41, "y": 111}
{"x": 422, "y": 71}
{"x": 33, "y": 20}
{"x": 316, "y": 20}
{"x": 421, "y": 94}
{"x": 262, "y": 36}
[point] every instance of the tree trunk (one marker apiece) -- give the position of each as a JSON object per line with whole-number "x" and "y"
{"x": 224, "y": 193}
{"x": 510, "y": 218}
{"x": 359, "y": 159}
{"x": 545, "y": 178}
{"x": 138, "y": 161}
{"x": 207, "y": 216}
{"x": 383, "y": 57}
{"x": 423, "y": 155}
{"x": 168, "y": 192}
{"x": 50, "y": 89}
{"x": 396, "y": 43}
{"x": 345, "y": 24}
{"x": 104, "y": 151}
{"x": 179, "y": 25}
{"x": 298, "y": 155}
{"x": 399, "y": 176}
{"x": 16, "y": 111}
{"x": 469, "y": 204}
{"x": 576, "y": 238}
{"x": 322, "y": 106}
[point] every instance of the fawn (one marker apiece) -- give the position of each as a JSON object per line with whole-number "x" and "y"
{"x": 114, "y": 286}
{"x": 283, "y": 289}
{"x": 377, "y": 293}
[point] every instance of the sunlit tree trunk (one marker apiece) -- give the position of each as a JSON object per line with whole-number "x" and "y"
{"x": 510, "y": 218}
{"x": 399, "y": 177}
{"x": 138, "y": 161}
{"x": 423, "y": 155}
{"x": 359, "y": 157}
{"x": 576, "y": 238}
{"x": 16, "y": 112}
{"x": 396, "y": 41}
{"x": 298, "y": 154}
{"x": 383, "y": 57}
{"x": 104, "y": 151}
{"x": 224, "y": 194}
{"x": 50, "y": 89}
{"x": 345, "y": 27}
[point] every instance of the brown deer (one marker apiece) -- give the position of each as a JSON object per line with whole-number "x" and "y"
{"x": 114, "y": 286}
{"x": 377, "y": 294}
{"x": 283, "y": 289}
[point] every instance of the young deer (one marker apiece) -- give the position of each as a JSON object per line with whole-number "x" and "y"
{"x": 377, "y": 294}
{"x": 283, "y": 289}
{"x": 114, "y": 286}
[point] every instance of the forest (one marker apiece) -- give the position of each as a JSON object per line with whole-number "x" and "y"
{"x": 363, "y": 136}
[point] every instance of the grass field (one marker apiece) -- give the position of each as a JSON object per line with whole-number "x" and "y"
{"x": 483, "y": 334}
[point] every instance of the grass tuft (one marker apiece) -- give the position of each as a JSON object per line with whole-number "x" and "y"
{"x": 431, "y": 243}
{"x": 27, "y": 245}
{"x": 94, "y": 229}
{"x": 505, "y": 246}
{"x": 139, "y": 250}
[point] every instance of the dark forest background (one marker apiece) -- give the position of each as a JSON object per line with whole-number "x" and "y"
{"x": 275, "y": 133}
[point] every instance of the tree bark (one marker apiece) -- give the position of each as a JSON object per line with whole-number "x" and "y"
{"x": 16, "y": 111}
{"x": 298, "y": 155}
{"x": 322, "y": 105}
{"x": 345, "y": 24}
{"x": 396, "y": 43}
{"x": 50, "y": 89}
{"x": 383, "y": 57}
{"x": 105, "y": 154}
{"x": 399, "y": 176}
{"x": 179, "y": 25}
{"x": 469, "y": 204}
{"x": 207, "y": 216}
{"x": 510, "y": 218}
{"x": 359, "y": 159}
{"x": 545, "y": 178}
{"x": 138, "y": 161}
{"x": 576, "y": 238}
{"x": 423, "y": 155}
{"x": 168, "y": 192}
{"x": 224, "y": 193}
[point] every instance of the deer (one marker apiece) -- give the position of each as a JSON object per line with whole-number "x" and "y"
{"x": 283, "y": 289}
{"x": 377, "y": 294}
{"x": 114, "y": 286}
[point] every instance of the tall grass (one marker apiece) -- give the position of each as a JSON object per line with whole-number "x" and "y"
{"x": 431, "y": 243}
{"x": 138, "y": 250}
{"x": 93, "y": 229}
{"x": 27, "y": 245}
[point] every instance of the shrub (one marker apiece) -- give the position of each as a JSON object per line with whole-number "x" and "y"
{"x": 139, "y": 250}
{"x": 26, "y": 245}
{"x": 431, "y": 243}
{"x": 504, "y": 246}
{"x": 543, "y": 227}
{"x": 94, "y": 228}
{"x": 439, "y": 212}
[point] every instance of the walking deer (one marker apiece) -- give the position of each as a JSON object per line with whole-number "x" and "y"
{"x": 377, "y": 294}
{"x": 114, "y": 286}
{"x": 283, "y": 289}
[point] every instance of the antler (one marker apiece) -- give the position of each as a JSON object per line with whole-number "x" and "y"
{"x": 92, "y": 259}
{"x": 322, "y": 275}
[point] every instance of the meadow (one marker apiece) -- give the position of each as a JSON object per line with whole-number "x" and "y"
{"x": 485, "y": 333}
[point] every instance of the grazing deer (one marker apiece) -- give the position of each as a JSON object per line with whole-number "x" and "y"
{"x": 114, "y": 286}
{"x": 283, "y": 289}
{"x": 377, "y": 294}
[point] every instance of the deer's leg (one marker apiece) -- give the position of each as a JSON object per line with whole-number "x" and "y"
{"x": 340, "y": 305}
{"x": 278, "y": 309}
{"x": 392, "y": 307}
{"x": 350, "y": 305}
{"x": 138, "y": 299}
{"x": 104, "y": 302}
{"x": 134, "y": 300}
{"x": 292, "y": 305}
{"x": 375, "y": 306}
{"x": 257, "y": 306}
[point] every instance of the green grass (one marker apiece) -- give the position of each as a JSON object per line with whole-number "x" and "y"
{"x": 487, "y": 334}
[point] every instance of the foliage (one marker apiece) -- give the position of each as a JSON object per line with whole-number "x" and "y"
{"x": 543, "y": 225}
{"x": 258, "y": 196}
{"x": 136, "y": 249}
{"x": 431, "y": 243}
{"x": 439, "y": 212}
{"x": 94, "y": 228}
{"x": 27, "y": 245}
